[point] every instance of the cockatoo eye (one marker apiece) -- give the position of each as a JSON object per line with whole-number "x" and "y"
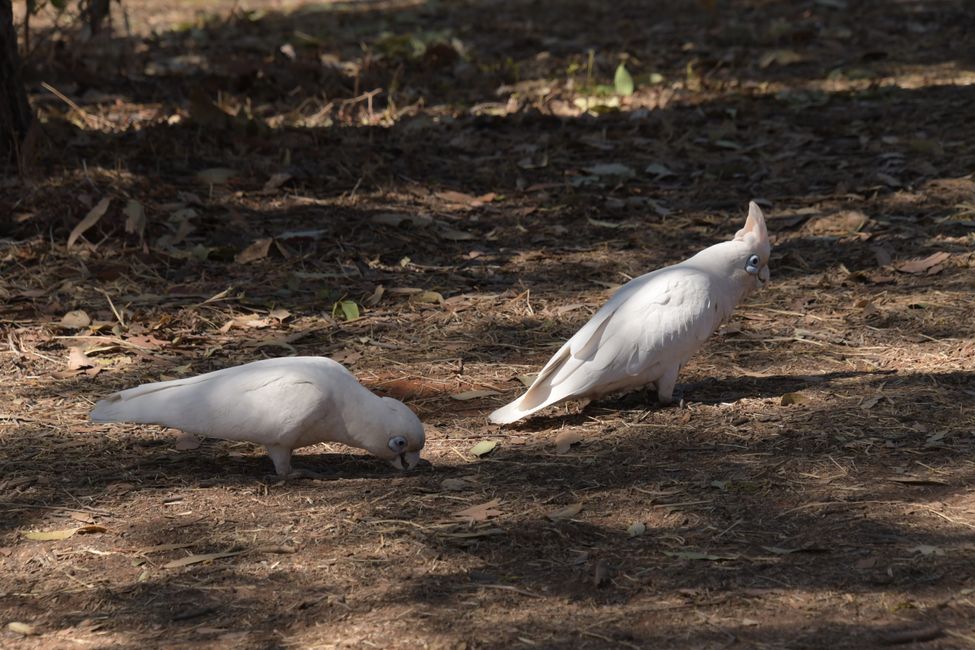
{"x": 752, "y": 264}
{"x": 397, "y": 444}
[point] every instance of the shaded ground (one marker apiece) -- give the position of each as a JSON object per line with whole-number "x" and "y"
{"x": 816, "y": 489}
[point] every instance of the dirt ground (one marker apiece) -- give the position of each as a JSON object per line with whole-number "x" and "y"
{"x": 467, "y": 175}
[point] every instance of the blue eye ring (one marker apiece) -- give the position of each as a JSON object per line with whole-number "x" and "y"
{"x": 397, "y": 444}
{"x": 752, "y": 264}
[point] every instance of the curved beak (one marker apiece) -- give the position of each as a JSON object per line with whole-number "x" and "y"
{"x": 406, "y": 460}
{"x": 764, "y": 275}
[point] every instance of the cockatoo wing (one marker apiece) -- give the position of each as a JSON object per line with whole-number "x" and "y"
{"x": 652, "y": 324}
{"x": 273, "y": 402}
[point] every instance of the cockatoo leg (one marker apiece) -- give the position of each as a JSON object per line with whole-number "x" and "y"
{"x": 666, "y": 384}
{"x": 281, "y": 457}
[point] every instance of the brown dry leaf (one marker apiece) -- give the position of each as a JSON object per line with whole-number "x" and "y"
{"x": 23, "y": 629}
{"x": 256, "y": 251}
{"x": 427, "y": 297}
{"x": 456, "y": 484}
{"x": 197, "y": 559}
{"x": 460, "y": 198}
{"x": 276, "y": 181}
{"x": 93, "y": 216}
{"x": 279, "y": 314}
{"x": 473, "y": 394}
{"x": 568, "y": 512}
{"x": 83, "y": 517}
{"x": 375, "y": 296}
{"x": 215, "y": 175}
{"x": 480, "y": 512}
{"x": 146, "y": 341}
{"x": 77, "y": 359}
{"x": 870, "y": 402}
{"x": 565, "y": 440}
{"x": 527, "y": 379}
{"x": 453, "y": 234}
{"x": 347, "y": 356}
{"x": 76, "y": 320}
{"x": 929, "y": 264}
{"x": 840, "y": 223}
{"x": 64, "y": 533}
{"x": 794, "y": 398}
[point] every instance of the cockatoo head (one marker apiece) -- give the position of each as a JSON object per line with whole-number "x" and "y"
{"x": 401, "y": 437}
{"x": 749, "y": 252}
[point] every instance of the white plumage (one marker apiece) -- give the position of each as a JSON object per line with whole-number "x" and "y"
{"x": 281, "y": 403}
{"x": 652, "y": 325}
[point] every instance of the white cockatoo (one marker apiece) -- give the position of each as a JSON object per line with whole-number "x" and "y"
{"x": 652, "y": 325}
{"x": 282, "y": 404}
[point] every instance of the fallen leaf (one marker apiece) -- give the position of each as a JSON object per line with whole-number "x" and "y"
{"x": 610, "y": 169}
{"x": 870, "y": 402}
{"x": 923, "y": 264}
{"x": 77, "y": 359}
{"x": 276, "y": 181}
{"x": 916, "y": 480}
{"x": 197, "y": 559}
{"x": 473, "y": 394}
{"x": 480, "y": 512}
{"x": 455, "y": 484}
{"x": 427, "y": 297}
{"x": 256, "y": 251}
{"x": 279, "y": 314}
{"x": 527, "y": 379}
{"x": 452, "y": 234}
{"x": 347, "y": 356}
{"x": 418, "y": 220}
{"x": 794, "y": 398}
{"x": 483, "y": 448}
{"x": 568, "y": 512}
{"x": 623, "y": 81}
{"x": 23, "y": 629}
{"x": 659, "y": 170}
{"x": 604, "y": 224}
{"x": 215, "y": 175}
{"x": 636, "y": 529}
{"x": 565, "y": 440}
{"x": 697, "y": 555}
{"x": 64, "y": 533}
{"x": 90, "y": 220}
{"x": 927, "y": 550}
{"x": 75, "y": 320}
{"x": 348, "y": 309}
{"x": 780, "y": 57}
{"x": 50, "y": 535}
{"x": 135, "y": 218}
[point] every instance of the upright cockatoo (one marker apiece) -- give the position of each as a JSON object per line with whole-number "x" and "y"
{"x": 282, "y": 404}
{"x": 652, "y": 325}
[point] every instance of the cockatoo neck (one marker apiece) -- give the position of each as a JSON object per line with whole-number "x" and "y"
{"x": 724, "y": 263}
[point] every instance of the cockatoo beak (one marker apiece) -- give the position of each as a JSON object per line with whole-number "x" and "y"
{"x": 764, "y": 275}
{"x": 406, "y": 461}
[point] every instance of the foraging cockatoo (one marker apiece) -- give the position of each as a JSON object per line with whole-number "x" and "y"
{"x": 282, "y": 404}
{"x": 652, "y": 325}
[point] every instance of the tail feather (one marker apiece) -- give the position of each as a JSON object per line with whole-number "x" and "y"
{"x": 146, "y": 404}
{"x": 540, "y": 394}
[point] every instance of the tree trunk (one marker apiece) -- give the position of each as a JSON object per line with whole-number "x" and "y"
{"x": 15, "y": 113}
